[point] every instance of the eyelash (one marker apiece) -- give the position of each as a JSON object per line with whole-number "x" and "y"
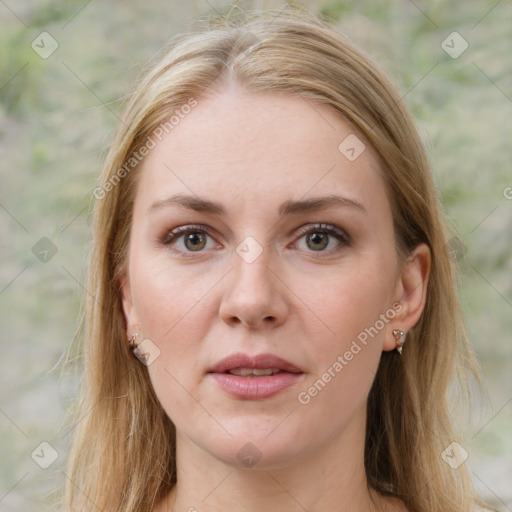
{"x": 340, "y": 235}
{"x": 328, "y": 229}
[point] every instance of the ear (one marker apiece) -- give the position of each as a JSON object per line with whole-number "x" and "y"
{"x": 411, "y": 293}
{"x": 130, "y": 313}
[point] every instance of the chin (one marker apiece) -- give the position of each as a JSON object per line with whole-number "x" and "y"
{"x": 251, "y": 447}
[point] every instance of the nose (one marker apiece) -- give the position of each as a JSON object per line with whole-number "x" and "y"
{"x": 254, "y": 295}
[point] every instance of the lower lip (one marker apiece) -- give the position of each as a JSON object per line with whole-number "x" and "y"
{"x": 255, "y": 388}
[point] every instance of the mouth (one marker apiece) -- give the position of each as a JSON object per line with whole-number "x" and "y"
{"x": 254, "y": 377}
{"x": 258, "y": 365}
{"x": 254, "y": 372}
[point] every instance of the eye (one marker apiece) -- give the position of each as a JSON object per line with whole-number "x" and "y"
{"x": 318, "y": 237}
{"x": 188, "y": 238}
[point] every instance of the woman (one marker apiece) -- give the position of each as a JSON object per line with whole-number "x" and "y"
{"x": 273, "y": 321}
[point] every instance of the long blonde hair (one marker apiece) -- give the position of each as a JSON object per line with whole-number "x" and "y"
{"x": 122, "y": 457}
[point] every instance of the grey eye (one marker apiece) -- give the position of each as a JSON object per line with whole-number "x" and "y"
{"x": 189, "y": 239}
{"x": 195, "y": 241}
{"x": 317, "y": 241}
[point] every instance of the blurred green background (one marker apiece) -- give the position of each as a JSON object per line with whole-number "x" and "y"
{"x": 57, "y": 114}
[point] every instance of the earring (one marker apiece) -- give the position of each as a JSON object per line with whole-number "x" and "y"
{"x": 400, "y": 339}
{"x": 131, "y": 344}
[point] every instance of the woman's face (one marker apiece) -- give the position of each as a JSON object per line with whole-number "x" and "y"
{"x": 288, "y": 264}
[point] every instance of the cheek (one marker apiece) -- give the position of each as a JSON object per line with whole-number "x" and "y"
{"x": 350, "y": 300}
{"x": 171, "y": 308}
{"x": 354, "y": 309}
{"x": 172, "y": 303}
{"x": 168, "y": 298}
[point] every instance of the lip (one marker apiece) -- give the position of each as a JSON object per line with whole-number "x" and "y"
{"x": 255, "y": 388}
{"x": 260, "y": 361}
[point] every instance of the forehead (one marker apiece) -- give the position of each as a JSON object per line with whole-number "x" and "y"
{"x": 257, "y": 147}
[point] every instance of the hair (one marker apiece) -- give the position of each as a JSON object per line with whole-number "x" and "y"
{"x": 123, "y": 452}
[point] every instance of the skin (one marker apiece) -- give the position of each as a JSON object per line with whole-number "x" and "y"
{"x": 251, "y": 152}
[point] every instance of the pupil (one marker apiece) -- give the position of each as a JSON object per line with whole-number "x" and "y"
{"x": 318, "y": 238}
{"x": 194, "y": 241}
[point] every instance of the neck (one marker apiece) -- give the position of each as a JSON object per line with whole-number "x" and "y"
{"x": 333, "y": 478}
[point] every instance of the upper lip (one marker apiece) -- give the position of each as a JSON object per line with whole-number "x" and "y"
{"x": 260, "y": 361}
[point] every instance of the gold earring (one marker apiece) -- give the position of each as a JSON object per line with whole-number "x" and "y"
{"x": 131, "y": 344}
{"x": 400, "y": 339}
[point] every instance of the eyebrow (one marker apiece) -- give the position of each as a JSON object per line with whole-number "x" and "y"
{"x": 288, "y": 207}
